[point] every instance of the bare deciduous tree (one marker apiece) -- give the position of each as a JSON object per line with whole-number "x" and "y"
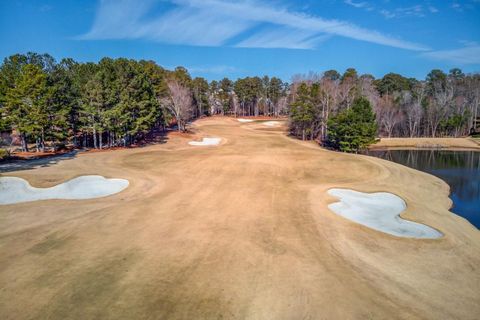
{"x": 329, "y": 99}
{"x": 179, "y": 103}
{"x": 347, "y": 92}
{"x": 390, "y": 115}
{"x": 281, "y": 106}
{"x": 438, "y": 105}
{"x": 412, "y": 103}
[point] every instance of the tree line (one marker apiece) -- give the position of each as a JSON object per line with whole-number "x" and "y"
{"x": 119, "y": 102}
{"x": 441, "y": 105}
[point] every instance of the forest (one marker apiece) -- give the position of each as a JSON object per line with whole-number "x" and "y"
{"x": 119, "y": 102}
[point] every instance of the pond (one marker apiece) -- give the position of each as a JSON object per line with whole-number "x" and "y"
{"x": 460, "y": 169}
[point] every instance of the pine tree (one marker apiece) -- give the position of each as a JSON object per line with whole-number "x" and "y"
{"x": 200, "y": 96}
{"x": 304, "y": 115}
{"x": 354, "y": 128}
{"x": 63, "y": 102}
{"x": 26, "y": 106}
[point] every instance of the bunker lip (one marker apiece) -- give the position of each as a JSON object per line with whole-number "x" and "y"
{"x": 206, "y": 142}
{"x": 245, "y": 120}
{"x": 17, "y": 190}
{"x": 379, "y": 211}
{"x": 272, "y": 123}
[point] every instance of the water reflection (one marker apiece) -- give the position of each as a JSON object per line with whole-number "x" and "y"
{"x": 460, "y": 169}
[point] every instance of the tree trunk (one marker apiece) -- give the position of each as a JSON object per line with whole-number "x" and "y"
{"x": 42, "y": 141}
{"x": 100, "y": 138}
{"x": 95, "y": 145}
{"x": 412, "y": 131}
{"x": 434, "y": 130}
{"x": 24, "y": 142}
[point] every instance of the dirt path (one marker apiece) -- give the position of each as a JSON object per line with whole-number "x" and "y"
{"x": 238, "y": 231}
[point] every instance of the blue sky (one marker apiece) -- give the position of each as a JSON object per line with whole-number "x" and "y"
{"x": 217, "y": 38}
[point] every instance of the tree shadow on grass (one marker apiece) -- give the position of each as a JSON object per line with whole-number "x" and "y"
{"x": 156, "y": 136}
{"x": 16, "y": 165}
{"x": 153, "y": 138}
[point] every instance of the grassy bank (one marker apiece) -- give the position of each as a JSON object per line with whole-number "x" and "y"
{"x": 427, "y": 143}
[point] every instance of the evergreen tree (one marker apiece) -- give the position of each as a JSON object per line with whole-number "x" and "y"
{"x": 9, "y": 72}
{"x": 93, "y": 109}
{"x": 354, "y": 128}
{"x": 63, "y": 101}
{"x": 332, "y": 75}
{"x": 226, "y": 87}
{"x": 302, "y": 113}
{"x": 137, "y": 105}
{"x": 200, "y": 96}
{"x": 26, "y": 106}
{"x": 249, "y": 91}
{"x": 391, "y": 83}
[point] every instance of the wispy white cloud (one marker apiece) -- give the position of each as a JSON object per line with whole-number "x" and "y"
{"x": 277, "y": 37}
{"x": 356, "y": 4}
{"x": 387, "y": 14}
{"x": 467, "y": 55}
{"x": 126, "y": 19}
{"x": 413, "y": 11}
{"x": 118, "y": 20}
{"x": 465, "y": 5}
{"x": 215, "y": 22}
{"x": 194, "y": 27}
{"x": 456, "y": 6}
{"x": 418, "y": 10}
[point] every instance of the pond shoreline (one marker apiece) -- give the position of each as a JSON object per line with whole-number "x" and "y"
{"x": 458, "y": 168}
{"x": 446, "y": 144}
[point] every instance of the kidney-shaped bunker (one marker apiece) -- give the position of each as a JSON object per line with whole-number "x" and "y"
{"x": 379, "y": 211}
{"x": 16, "y": 190}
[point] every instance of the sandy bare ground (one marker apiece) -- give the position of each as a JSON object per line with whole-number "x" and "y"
{"x": 239, "y": 231}
{"x": 421, "y": 143}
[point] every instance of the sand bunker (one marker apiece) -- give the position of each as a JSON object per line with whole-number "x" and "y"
{"x": 206, "y": 142}
{"x": 245, "y": 120}
{"x": 379, "y": 211}
{"x": 15, "y": 190}
{"x": 271, "y": 123}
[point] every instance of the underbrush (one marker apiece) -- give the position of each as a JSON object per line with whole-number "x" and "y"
{"x": 4, "y": 154}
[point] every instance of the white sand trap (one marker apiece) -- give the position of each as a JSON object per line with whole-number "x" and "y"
{"x": 206, "y": 142}
{"x": 245, "y": 120}
{"x": 379, "y": 211}
{"x": 271, "y": 123}
{"x": 15, "y": 190}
